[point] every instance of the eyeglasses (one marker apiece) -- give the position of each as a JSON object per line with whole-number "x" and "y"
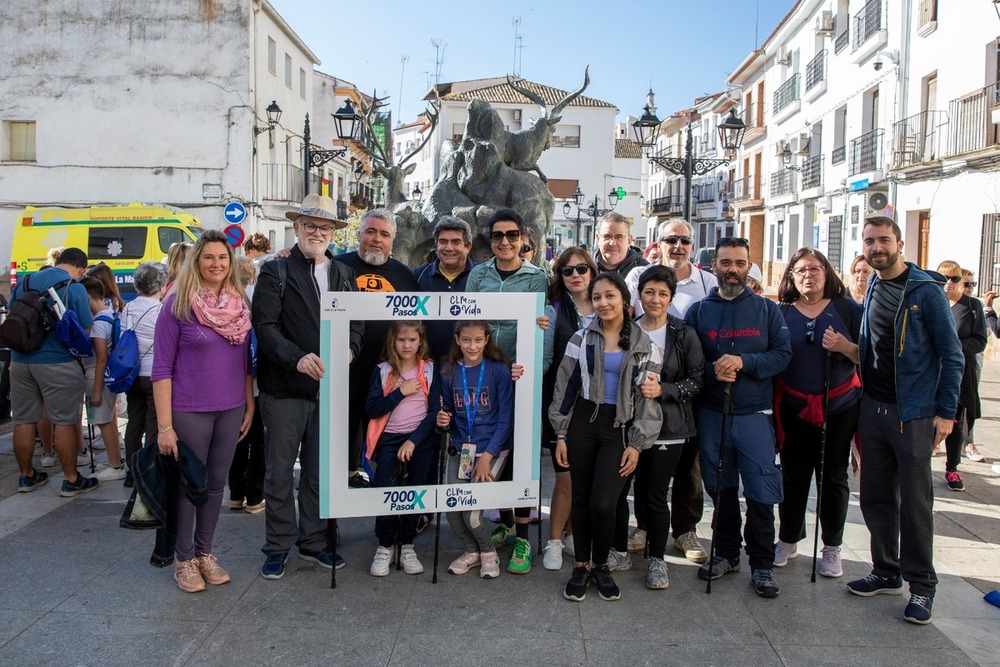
{"x": 954, "y": 279}
{"x": 969, "y": 285}
{"x": 808, "y": 271}
{"x": 312, "y": 229}
{"x": 616, "y": 238}
{"x": 671, "y": 240}
{"x": 567, "y": 271}
{"x": 733, "y": 242}
{"x": 811, "y": 331}
{"x": 512, "y": 236}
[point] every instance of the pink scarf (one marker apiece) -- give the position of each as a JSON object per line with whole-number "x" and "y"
{"x": 227, "y": 314}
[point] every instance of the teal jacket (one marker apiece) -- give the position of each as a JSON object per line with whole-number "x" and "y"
{"x": 485, "y": 278}
{"x": 929, "y": 359}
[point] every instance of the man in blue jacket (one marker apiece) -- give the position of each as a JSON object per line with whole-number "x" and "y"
{"x": 746, "y": 344}
{"x": 911, "y": 368}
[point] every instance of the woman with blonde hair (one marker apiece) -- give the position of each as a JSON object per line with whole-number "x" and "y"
{"x": 203, "y": 392}
{"x": 857, "y": 280}
{"x": 175, "y": 261}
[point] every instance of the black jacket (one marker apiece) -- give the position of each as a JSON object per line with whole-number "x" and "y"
{"x": 682, "y": 376}
{"x": 286, "y": 320}
{"x": 632, "y": 259}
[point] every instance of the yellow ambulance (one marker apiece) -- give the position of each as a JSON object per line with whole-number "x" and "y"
{"x": 123, "y": 237}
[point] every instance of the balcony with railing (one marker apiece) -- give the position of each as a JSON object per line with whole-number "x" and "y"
{"x": 917, "y": 139}
{"x": 816, "y": 74}
{"x": 867, "y": 22}
{"x": 670, "y": 204}
{"x": 753, "y": 116}
{"x": 283, "y": 182}
{"x": 786, "y": 96}
{"x": 838, "y": 155}
{"x": 812, "y": 172}
{"x": 342, "y": 211}
{"x": 865, "y": 152}
{"x": 970, "y": 123}
{"x": 842, "y": 41}
{"x": 782, "y": 183}
{"x": 704, "y": 193}
{"x": 747, "y": 187}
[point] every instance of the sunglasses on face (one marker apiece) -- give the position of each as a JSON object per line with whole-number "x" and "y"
{"x": 969, "y": 285}
{"x": 954, "y": 279}
{"x": 671, "y": 240}
{"x": 567, "y": 271}
{"x": 512, "y": 236}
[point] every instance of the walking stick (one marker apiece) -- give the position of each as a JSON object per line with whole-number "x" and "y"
{"x": 90, "y": 432}
{"x": 827, "y": 359}
{"x": 718, "y": 481}
{"x": 331, "y": 541}
{"x": 444, "y": 443}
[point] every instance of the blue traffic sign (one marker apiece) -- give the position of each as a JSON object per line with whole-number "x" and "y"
{"x": 234, "y": 234}
{"x": 235, "y": 212}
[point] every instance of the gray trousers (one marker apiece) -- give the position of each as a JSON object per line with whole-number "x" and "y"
{"x": 289, "y": 422}
{"x": 897, "y": 494}
{"x": 471, "y": 527}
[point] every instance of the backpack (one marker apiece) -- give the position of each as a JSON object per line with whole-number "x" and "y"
{"x": 29, "y": 320}
{"x": 68, "y": 328}
{"x": 124, "y": 358}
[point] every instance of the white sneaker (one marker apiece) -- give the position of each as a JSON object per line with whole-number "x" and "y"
{"x": 108, "y": 473}
{"x": 408, "y": 559}
{"x": 783, "y": 552}
{"x": 381, "y": 562}
{"x": 552, "y": 555}
{"x": 619, "y": 561}
{"x": 830, "y": 565}
{"x": 49, "y": 460}
{"x": 636, "y": 540}
{"x": 83, "y": 458}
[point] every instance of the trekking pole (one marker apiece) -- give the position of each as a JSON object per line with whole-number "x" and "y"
{"x": 331, "y": 542}
{"x": 718, "y": 482}
{"x": 444, "y": 443}
{"x": 90, "y": 431}
{"x": 827, "y": 359}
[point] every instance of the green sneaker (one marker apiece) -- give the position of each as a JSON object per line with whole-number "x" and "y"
{"x": 520, "y": 557}
{"x": 503, "y": 537}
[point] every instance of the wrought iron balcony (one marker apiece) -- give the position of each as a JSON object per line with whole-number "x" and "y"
{"x": 782, "y": 182}
{"x": 816, "y": 70}
{"x": 838, "y": 155}
{"x": 786, "y": 93}
{"x": 866, "y": 152}
{"x": 917, "y": 139}
{"x": 283, "y": 182}
{"x": 970, "y": 126}
{"x": 867, "y": 22}
{"x": 747, "y": 187}
{"x": 704, "y": 193}
{"x": 753, "y": 116}
{"x": 342, "y": 212}
{"x": 812, "y": 172}
{"x": 843, "y": 39}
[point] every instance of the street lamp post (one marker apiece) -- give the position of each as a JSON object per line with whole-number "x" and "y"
{"x": 647, "y": 128}
{"x": 591, "y": 211}
{"x": 346, "y": 120}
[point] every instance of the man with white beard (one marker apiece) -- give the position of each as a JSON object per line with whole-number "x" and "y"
{"x": 676, "y": 240}
{"x": 376, "y": 271}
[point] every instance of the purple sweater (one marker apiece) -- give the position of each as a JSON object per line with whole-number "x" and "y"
{"x": 209, "y": 374}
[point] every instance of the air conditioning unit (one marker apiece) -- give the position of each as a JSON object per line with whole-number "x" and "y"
{"x": 825, "y": 23}
{"x": 784, "y": 57}
{"x": 876, "y": 201}
{"x": 517, "y": 115}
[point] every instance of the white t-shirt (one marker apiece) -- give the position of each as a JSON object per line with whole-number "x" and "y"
{"x": 322, "y": 274}
{"x": 692, "y": 289}
{"x": 99, "y": 330}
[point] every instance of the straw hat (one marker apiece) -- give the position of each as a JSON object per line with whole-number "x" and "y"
{"x": 318, "y": 206}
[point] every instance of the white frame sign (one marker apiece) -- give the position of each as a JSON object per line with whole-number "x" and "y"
{"x": 338, "y": 309}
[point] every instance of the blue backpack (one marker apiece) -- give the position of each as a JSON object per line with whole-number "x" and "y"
{"x": 124, "y": 358}
{"x": 116, "y": 328}
{"x": 68, "y": 328}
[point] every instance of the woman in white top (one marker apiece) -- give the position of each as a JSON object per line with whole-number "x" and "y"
{"x": 140, "y": 314}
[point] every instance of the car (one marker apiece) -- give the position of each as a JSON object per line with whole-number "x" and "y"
{"x": 705, "y": 257}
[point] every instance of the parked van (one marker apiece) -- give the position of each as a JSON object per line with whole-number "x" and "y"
{"x": 120, "y": 236}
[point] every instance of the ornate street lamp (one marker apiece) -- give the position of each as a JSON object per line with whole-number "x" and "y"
{"x": 591, "y": 211}
{"x": 345, "y": 119}
{"x": 647, "y": 128}
{"x": 273, "y": 112}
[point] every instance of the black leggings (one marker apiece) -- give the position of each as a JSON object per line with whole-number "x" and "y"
{"x": 594, "y": 448}
{"x": 953, "y": 443}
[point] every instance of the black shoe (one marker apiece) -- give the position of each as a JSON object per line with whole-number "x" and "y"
{"x": 358, "y": 481}
{"x": 720, "y": 567}
{"x": 576, "y": 589}
{"x": 919, "y": 609}
{"x": 157, "y": 560}
{"x": 129, "y": 480}
{"x": 876, "y": 585}
{"x": 606, "y": 586}
{"x": 763, "y": 582}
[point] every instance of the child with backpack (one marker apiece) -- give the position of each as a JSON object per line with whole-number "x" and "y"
{"x": 102, "y": 403}
{"x": 477, "y": 387}
{"x": 403, "y": 392}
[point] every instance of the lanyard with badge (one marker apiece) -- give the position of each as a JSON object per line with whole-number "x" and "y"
{"x": 467, "y": 460}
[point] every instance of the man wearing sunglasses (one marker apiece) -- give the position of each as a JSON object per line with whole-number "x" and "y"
{"x": 911, "y": 369}
{"x": 676, "y": 243}
{"x": 614, "y": 246}
{"x": 687, "y": 499}
{"x": 746, "y": 345}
